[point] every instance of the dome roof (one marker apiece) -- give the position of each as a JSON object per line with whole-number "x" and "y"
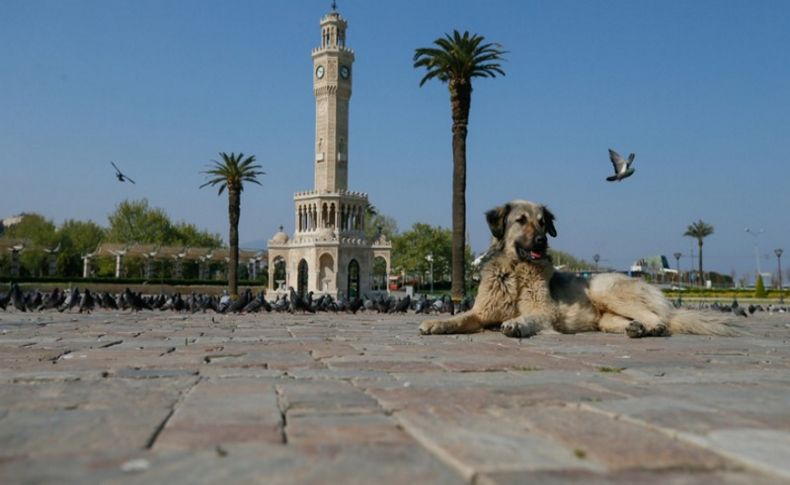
{"x": 280, "y": 237}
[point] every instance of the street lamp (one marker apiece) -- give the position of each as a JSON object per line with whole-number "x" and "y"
{"x": 756, "y": 236}
{"x": 429, "y": 258}
{"x": 596, "y": 258}
{"x": 778, "y": 253}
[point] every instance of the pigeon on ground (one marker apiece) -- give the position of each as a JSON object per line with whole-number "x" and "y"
{"x": 4, "y": 299}
{"x": 355, "y": 304}
{"x": 622, "y": 167}
{"x": 87, "y": 302}
{"x": 295, "y": 301}
{"x": 120, "y": 175}
{"x": 403, "y": 305}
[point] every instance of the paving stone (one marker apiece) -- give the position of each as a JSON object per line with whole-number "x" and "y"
{"x": 628, "y": 477}
{"x": 310, "y": 397}
{"x": 221, "y": 411}
{"x": 615, "y": 443}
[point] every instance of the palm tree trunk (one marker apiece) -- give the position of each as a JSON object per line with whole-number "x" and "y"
{"x": 234, "y": 210}
{"x": 460, "y": 100}
{"x": 701, "y": 277}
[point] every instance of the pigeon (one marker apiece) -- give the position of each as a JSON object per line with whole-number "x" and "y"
{"x": 120, "y": 175}
{"x": 355, "y": 304}
{"x": 622, "y": 167}
{"x": 18, "y": 298}
{"x": 4, "y": 299}
{"x": 295, "y": 301}
{"x": 403, "y": 305}
{"x": 87, "y": 302}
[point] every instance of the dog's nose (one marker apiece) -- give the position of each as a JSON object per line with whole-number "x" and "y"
{"x": 540, "y": 240}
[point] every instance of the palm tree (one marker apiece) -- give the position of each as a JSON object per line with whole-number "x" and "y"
{"x": 455, "y": 60}
{"x": 699, "y": 231}
{"x": 231, "y": 173}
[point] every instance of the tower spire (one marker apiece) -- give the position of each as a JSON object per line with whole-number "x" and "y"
{"x": 334, "y": 6}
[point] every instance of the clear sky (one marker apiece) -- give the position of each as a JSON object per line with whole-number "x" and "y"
{"x": 699, "y": 90}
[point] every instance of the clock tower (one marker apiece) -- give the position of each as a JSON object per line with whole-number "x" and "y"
{"x": 332, "y": 89}
{"x": 330, "y": 253}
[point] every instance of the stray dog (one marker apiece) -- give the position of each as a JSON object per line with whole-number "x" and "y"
{"x": 521, "y": 291}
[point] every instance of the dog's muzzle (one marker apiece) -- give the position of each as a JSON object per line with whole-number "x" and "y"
{"x": 537, "y": 252}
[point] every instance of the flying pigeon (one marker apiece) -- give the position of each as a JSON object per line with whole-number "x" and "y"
{"x": 120, "y": 175}
{"x": 622, "y": 167}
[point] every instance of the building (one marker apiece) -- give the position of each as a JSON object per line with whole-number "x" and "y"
{"x": 329, "y": 252}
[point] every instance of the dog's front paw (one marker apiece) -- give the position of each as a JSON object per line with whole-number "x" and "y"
{"x": 434, "y": 327}
{"x": 521, "y": 328}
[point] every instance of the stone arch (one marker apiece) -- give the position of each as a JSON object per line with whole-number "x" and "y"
{"x": 353, "y": 288}
{"x": 278, "y": 272}
{"x": 326, "y": 272}
{"x": 380, "y": 273}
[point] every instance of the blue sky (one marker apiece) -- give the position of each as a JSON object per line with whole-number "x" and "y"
{"x": 700, "y": 91}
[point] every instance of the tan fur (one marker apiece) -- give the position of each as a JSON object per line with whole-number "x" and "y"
{"x": 521, "y": 291}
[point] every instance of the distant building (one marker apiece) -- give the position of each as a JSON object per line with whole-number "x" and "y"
{"x": 10, "y": 221}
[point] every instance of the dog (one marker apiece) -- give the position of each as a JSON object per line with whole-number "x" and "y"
{"x": 521, "y": 291}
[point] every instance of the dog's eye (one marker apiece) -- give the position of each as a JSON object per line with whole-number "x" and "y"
{"x": 522, "y": 220}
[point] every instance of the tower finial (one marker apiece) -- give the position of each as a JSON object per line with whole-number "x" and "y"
{"x": 334, "y": 6}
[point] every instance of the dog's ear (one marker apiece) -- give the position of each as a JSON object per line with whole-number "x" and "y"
{"x": 548, "y": 219}
{"x": 496, "y": 218}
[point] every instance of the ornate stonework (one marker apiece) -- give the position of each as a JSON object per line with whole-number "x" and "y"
{"x": 329, "y": 252}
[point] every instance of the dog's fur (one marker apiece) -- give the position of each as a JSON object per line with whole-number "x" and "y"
{"x": 520, "y": 290}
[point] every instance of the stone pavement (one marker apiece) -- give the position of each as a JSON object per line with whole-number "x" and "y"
{"x": 177, "y": 399}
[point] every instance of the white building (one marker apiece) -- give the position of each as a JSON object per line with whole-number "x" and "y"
{"x": 329, "y": 252}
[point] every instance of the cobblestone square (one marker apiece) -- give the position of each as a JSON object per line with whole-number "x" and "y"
{"x": 275, "y": 398}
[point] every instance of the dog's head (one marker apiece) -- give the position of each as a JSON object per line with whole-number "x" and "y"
{"x": 521, "y": 228}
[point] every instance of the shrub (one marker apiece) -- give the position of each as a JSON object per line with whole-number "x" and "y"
{"x": 759, "y": 288}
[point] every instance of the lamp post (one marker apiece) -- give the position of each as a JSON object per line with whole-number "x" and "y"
{"x": 778, "y": 253}
{"x": 429, "y": 258}
{"x": 677, "y": 268}
{"x": 756, "y": 236}
{"x": 596, "y": 258}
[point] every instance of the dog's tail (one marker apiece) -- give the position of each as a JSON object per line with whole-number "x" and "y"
{"x": 702, "y": 323}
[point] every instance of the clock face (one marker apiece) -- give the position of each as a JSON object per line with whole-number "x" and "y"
{"x": 319, "y": 72}
{"x": 345, "y": 72}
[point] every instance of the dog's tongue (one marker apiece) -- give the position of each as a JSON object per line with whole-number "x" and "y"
{"x": 536, "y": 254}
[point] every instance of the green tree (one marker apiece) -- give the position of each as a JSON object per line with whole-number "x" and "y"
{"x": 187, "y": 234}
{"x": 759, "y": 287}
{"x": 77, "y": 238}
{"x": 410, "y": 249}
{"x": 39, "y": 233}
{"x": 135, "y": 222}
{"x": 231, "y": 174}
{"x": 455, "y": 60}
{"x": 375, "y": 221}
{"x": 699, "y": 230}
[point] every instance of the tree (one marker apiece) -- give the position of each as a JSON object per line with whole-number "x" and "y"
{"x": 39, "y": 233}
{"x": 699, "y": 230}
{"x": 231, "y": 174}
{"x": 77, "y": 238}
{"x": 375, "y": 221}
{"x": 134, "y": 222}
{"x": 410, "y": 249}
{"x": 186, "y": 234}
{"x": 456, "y": 60}
{"x": 759, "y": 287}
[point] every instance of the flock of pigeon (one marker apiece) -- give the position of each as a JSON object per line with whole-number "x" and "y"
{"x": 744, "y": 311}
{"x": 87, "y": 301}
